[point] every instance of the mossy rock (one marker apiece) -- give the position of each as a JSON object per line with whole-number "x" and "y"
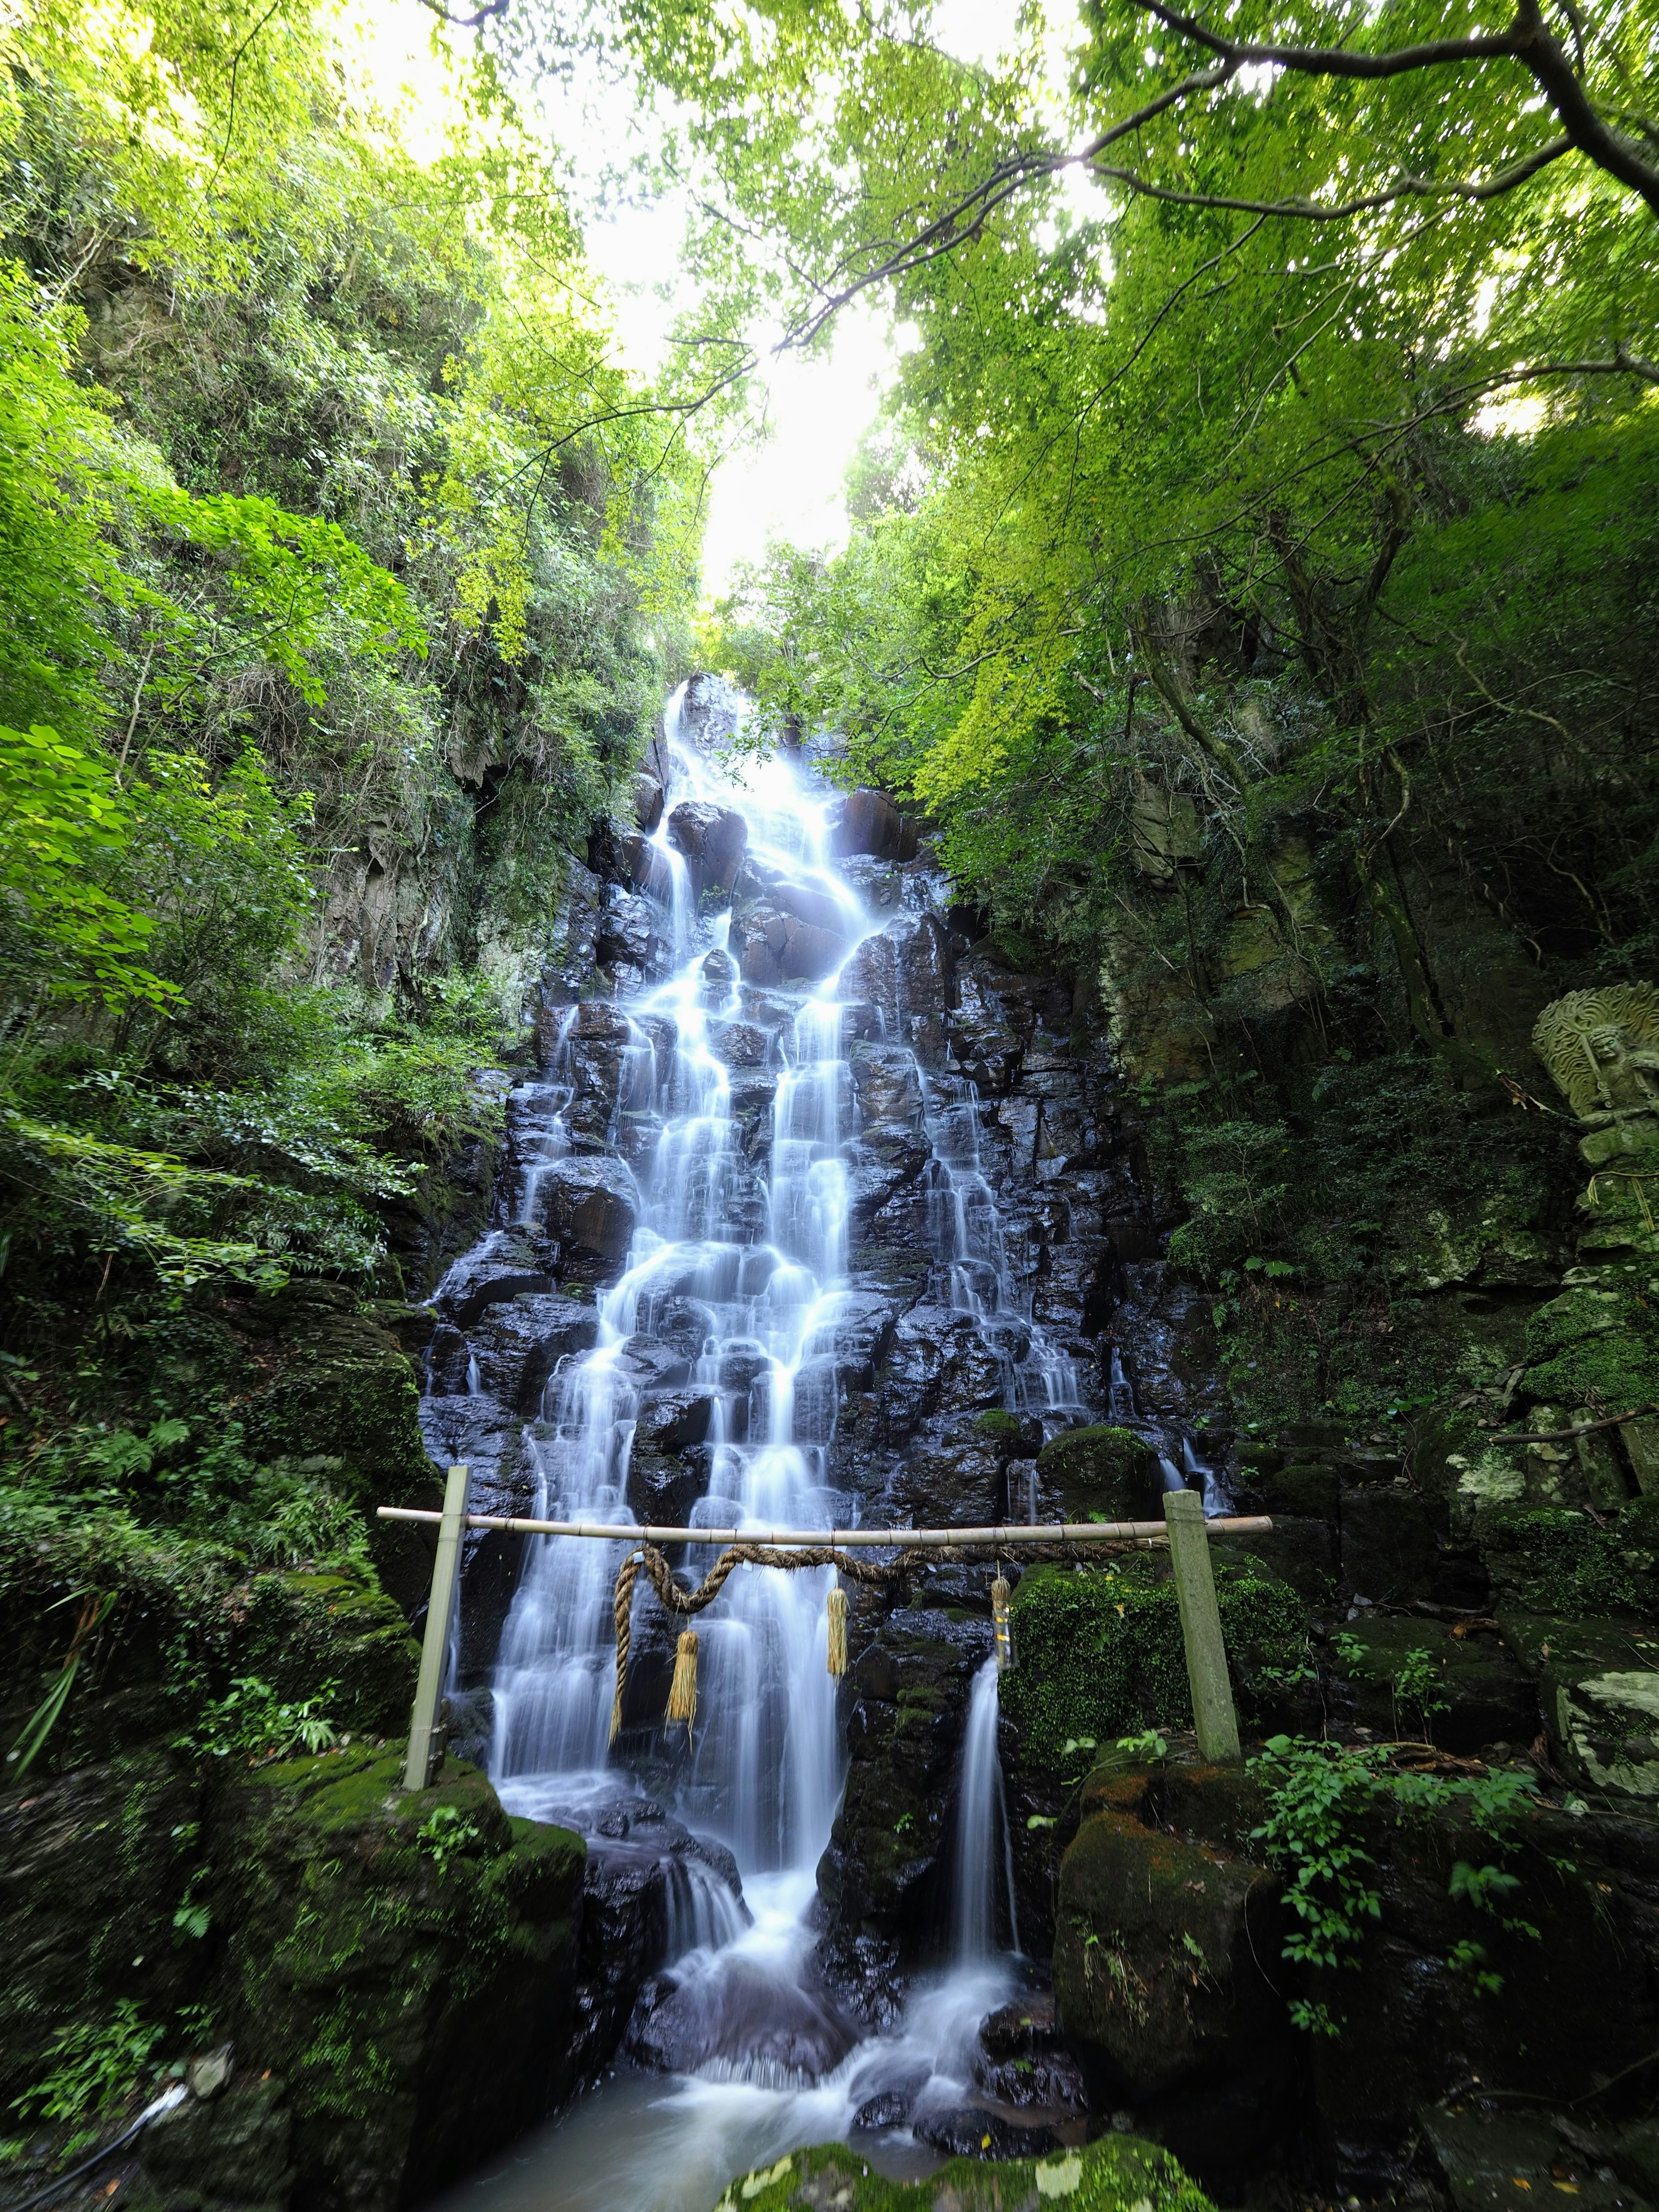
{"x": 1099, "y": 1653}
{"x": 1599, "y": 1687}
{"x": 304, "y": 1631}
{"x": 331, "y": 1380}
{"x": 1154, "y": 1969}
{"x": 1477, "y": 1691}
{"x": 1105, "y": 1473}
{"x": 1597, "y": 1344}
{"x": 403, "y": 1960}
{"x": 1547, "y": 1559}
{"x": 1119, "y": 2174}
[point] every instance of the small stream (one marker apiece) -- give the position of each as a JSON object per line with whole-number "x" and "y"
{"x": 723, "y": 1327}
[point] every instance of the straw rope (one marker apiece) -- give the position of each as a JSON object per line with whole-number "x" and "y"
{"x": 857, "y": 1567}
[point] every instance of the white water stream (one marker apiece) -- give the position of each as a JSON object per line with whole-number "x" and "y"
{"x": 732, "y": 1288}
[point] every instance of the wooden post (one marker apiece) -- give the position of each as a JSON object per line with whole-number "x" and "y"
{"x": 434, "y": 1646}
{"x": 1200, "y": 1626}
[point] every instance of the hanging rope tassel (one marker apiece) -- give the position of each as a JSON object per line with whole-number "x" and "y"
{"x": 683, "y": 1691}
{"x": 838, "y": 1631}
{"x": 623, "y": 1608}
{"x": 1005, "y": 1643}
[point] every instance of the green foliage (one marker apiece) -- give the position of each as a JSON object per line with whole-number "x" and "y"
{"x": 446, "y": 1832}
{"x": 1325, "y": 1801}
{"x": 97, "y": 2065}
{"x": 251, "y": 1719}
{"x": 1098, "y": 1651}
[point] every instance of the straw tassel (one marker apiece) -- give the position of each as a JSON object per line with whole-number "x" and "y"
{"x": 1005, "y": 1644}
{"x": 838, "y": 1631}
{"x": 683, "y": 1691}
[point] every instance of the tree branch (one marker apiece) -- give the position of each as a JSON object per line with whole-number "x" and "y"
{"x": 1527, "y": 41}
{"x": 1404, "y": 187}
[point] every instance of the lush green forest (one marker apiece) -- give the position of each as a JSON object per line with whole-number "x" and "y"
{"x": 342, "y": 571}
{"x": 1248, "y": 600}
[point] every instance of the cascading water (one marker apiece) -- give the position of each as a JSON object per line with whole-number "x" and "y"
{"x": 728, "y": 1310}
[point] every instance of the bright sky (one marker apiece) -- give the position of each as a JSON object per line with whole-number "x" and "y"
{"x": 790, "y": 484}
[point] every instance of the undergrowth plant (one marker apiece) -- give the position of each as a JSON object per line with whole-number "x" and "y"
{"x": 1321, "y": 1796}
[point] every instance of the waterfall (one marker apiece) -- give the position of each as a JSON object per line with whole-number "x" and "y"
{"x": 984, "y": 1847}
{"x": 713, "y": 1110}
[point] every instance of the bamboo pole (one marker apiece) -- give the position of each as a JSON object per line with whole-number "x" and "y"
{"x": 1213, "y": 1715}
{"x": 435, "y": 1645}
{"x": 1002, "y": 1537}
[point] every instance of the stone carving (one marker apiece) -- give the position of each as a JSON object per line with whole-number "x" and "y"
{"x": 1602, "y": 1048}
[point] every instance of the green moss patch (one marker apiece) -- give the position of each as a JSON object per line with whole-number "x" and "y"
{"x": 1099, "y": 1653}
{"x": 1548, "y": 1560}
{"x": 1119, "y": 2173}
{"x": 1103, "y": 1472}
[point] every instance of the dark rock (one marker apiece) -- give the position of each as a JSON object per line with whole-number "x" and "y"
{"x": 885, "y": 1083}
{"x": 975, "y": 2131}
{"x": 237, "y": 2146}
{"x": 1389, "y": 1549}
{"x": 648, "y": 801}
{"x": 589, "y": 1203}
{"x": 884, "y": 1876}
{"x": 868, "y": 822}
{"x": 735, "y": 2011}
{"x": 1108, "y": 1474}
{"x": 519, "y": 1345}
{"x": 1168, "y": 1989}
{"x": 500, "y": 1266}
{"x": 1480, "y": 1694}
{"x": 713, "y": 839}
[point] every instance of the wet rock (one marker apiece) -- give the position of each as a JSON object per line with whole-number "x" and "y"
{"x": 777, "y": 948}
{"x": 947, "y": 1481}
{"x": 663, "y": 1487}
{"x": 646, "y": 868}
{"x": 883, "y": 1879}
{"x": 713, "y": 839}
{"x": 1303, "y": 1553}
{"x": 630, "y": 932}
{"x": 867, "y": 822}
{"x": 739, "y": 1044}
{"x": 501, "y": 1265}
{"x": 739, "y": 2013}
{"x": 974, "y": 2131}
{"x": 648, "y": 801}
{"x": 670, "y": 1420}
{"x": 589, "y": 1203}
{"x": 519, "y": 1344}
{"x": 885, "y": 1083}
{"x": 1105, "y": 1472}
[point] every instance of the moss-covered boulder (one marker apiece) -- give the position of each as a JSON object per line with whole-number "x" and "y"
{"x": 1598, "y": 1685}
{"x": 303, "y": 1631}
{"x": 1153, "y": 1962}
{"x": 402, "y": 1960}
{"x": 1597, "y": 1344}
{"x": 1404, "y": 1677}
{"x": 322, "y": 1375}
{"x": 1119, "y": 2173}
{"x": 94, "y": 1865}
{"x": 1550, "y": 1560}
{"x": 882, "y": 1879}
{"x": 1098, "y": 1652}
{"x": 1101, "y": 1474}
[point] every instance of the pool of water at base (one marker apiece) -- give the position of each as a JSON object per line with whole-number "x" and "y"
{"x": 653, "y": 2143}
